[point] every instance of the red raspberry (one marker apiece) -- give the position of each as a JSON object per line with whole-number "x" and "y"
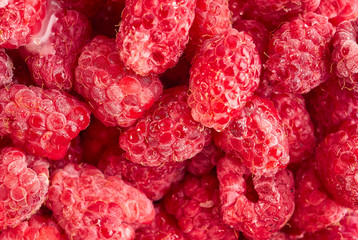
{"x": 195, "y": 203}
{"x": 88, "y": 7}
{"x": 19, "y": 20}
{"x": 89, "y": 206}
{"x": 258, "y": 137}
{"x": 52, "y": 57}
{"x": 299, "y": 55}
{"x": 116, "y": 96}
{"x": 224, "y": 74}
{"x": 23, "y": 185}
{"x": 154, "y": 182}
{"x": 153, "y": 34}
{"x": 167, "y": 133}
{"x": 257, "y": 206}
{"x": 42, "y": 121}
{"x": 336, "y": 158}
{"x": 338, "y": 11}
{"x": 6, "y": 66}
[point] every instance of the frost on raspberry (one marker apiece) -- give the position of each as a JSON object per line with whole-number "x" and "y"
{"x": 42, "y": 121}
{"x": 116, "y": 96}
{"x": 153, "y": 34}
{"x": 224, "y": 74}
{"x": 257, "y": 206}
{"x": 166, "y": 133}
{"x": 87, "y": 205}
{"x": 24, "y": 182}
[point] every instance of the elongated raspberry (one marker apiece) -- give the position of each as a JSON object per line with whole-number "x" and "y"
{"x": 167, "y": 133}
{"x": 87, "y": 205}
{"x": 258, "y": 137}
{"x": 257, "y": 206}
{"x": 153, "y": 34}
{"x": 224, "y": 74}
{"x": 299, "y": 55}
{"x": 116, "y": 96}
{"x": 154, "y": 182}
{"x": 19, "y": 20}
{"x": 338, "y": 11}
{"x": 6, "y": 66}
{"x": 88, "y": 7}
{"x": 23, "y": 185}
{"x": 42, "y": 121}
{"x": 195, "y": 203}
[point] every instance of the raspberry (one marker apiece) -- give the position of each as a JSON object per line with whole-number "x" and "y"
{"x": 338, "y": 11}
{"x": 257, "y": 206}
{"x": 299, "y": 55}
{"x": 153, "y": 34}
{"x": 52, "y": 57}
{"x": 88, "y": 7}
{"x": 116, "y": 96}
{"x": 336, "y": 158}
{"x": 42, "y": 121}
{"x": 224, "y": 74}
{"x": 6, "y": 66}
{"x": 19, "y": 20}
{"x": 154, "y": 182}
{"x": 23, "y": 185}
{"x": 195, "y": 204}
{"x": 258, "y": 137}
{"x": 167, "y": 133}
{"x": 89, "y": 206}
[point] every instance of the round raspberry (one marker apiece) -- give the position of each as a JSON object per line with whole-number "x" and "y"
{"x": 42, "y": 121}
{"x": 154, "y": 182}
{"x": 167, "y": 133}
{"x": 87, "y": 205}
{"x": 298, "y": 54}
{"x": 88, "y": 7}
{"x": 258, "y": 137}
{"x": 224, "y": 74}
{"x": 6, "y": 66}
{"x": 19, "y": 20}
{"x": 195, "y": 203}
{"x": 152, "y": 34}
{"x": 338, "y": 11}
{"x": 116, "y": 96}
{"x": 23, "y": 185}
{"x": 257, "y": 206}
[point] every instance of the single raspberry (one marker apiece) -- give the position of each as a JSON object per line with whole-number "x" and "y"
{"x": 224, "y": 74}
{"x": 38, "y": 227}
{"x": 298, "y": 54}
{"x": 153, "y": 34}
{"x": 87, "y": 205}
{"x": 42, "y": 121}
{"x": 258, "y": 136}
{"x": 6, "y": 66}
{"x": 257, "y": 206}
{"x": 154, "y": 182}
{"x": 88, "y": 7}
{"x": 167, "y": 133}
{"x": 338, "y": 11}
{"x": 19, "y": 20}
{"x": 116, "y": 96}
{"x": 23, "y": 185}
{"x": 52, "y": 55}
{"x": 336, "y": 158}
{"x": 195, "y": 203}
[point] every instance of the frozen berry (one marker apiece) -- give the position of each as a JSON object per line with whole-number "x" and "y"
{"x": 6, "y": 66}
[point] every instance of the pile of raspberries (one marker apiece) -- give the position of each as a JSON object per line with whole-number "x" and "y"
{"x": 178, "y": 119}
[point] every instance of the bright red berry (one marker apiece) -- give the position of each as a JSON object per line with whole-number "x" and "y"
{"x": 338, "y": 11}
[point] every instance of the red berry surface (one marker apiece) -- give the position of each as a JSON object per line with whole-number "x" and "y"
{"x": 224, "y": 74}
{"x": 6, "y": 68}
{"x": 153, "y": 34}
{"x": 116, "y": 96}
{"x": 88, "y": 7}
{"x": 338, "y": 10}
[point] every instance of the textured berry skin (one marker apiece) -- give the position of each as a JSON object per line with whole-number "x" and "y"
{"x": 257, "y": 206}
{"x": 153, "y": 34}
{"x": 42, "y": 121}
{"x": 88, "y": 7}
{"x": 224, "y": 74}
{"x": 6, "y": 66}
{"x": 338, "y": 10}
{"x": 116, "y": 96}
{"x": 299, "y": 55}
{"x": 167, "y": 133}
{"x": 23, "y": 185}
{"x": 87, "y": 205}
{"x": 258, "y": 136}
{"x": 19, "y": 20}
{"x": 336, "y": 158}
{"x": 195, "y": 203}
{"x": 154, "y": 182}
{"x": 52, "y": 56}
{"x": 297, "y": 122}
